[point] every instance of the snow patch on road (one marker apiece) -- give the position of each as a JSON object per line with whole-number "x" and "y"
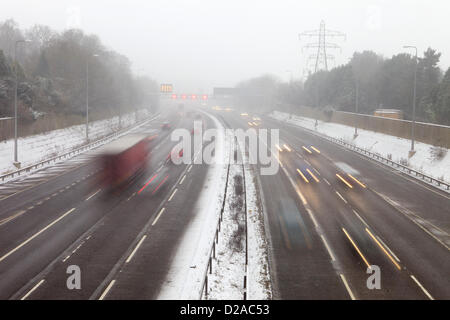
{"x": 386, "y": 145}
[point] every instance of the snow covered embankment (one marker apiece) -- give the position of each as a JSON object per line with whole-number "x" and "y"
{"x": 34, "y": 149}
{"x": 431, "y": 160}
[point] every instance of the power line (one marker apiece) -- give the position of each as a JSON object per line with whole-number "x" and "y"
{"x": 321, "y": 57}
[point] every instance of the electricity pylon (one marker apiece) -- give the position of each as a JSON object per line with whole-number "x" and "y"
{"x": 321, "y": 57}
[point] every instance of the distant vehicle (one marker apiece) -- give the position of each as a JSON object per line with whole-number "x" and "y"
{"x": 123, "y": 159}
{"x": 348, "y": 176}
{"x": 165, "y": 126}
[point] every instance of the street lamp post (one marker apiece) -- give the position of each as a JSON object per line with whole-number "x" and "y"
{"x": 16, "y": 161}
{"x": 412, "y": 151}
{"x": 356, "y": 107}
{"x": 355, "y": 74}
{"x": 87, "y": 96}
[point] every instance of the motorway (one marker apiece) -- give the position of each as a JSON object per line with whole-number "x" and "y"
{"x": 65, "y": 220}
{"x": 323, "y": 230}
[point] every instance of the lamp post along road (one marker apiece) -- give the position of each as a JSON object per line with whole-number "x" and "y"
{"x": 87, "y": 96}
{"x": 87, "y": 100}
{"x": 356, "y": 107}
{"x": 413, "y": 124}
{"x": 16, "y": 160}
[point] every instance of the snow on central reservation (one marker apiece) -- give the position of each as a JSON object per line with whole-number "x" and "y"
{"x": 383, "y": 144}
{"x": 229, "y": 266}
{"x": 36, "y": 148}
{"x": 188, "y": 268}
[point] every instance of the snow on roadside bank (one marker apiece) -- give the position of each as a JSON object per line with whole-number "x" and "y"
{"x": 386, "y": 145}
{"x": 33, "y": 149}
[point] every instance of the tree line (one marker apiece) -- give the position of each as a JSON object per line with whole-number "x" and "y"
{"x": 52, "y": 67}
{"x": 377, "y": 81}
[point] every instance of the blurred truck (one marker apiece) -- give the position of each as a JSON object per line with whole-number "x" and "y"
{"x": 123, "y": 159}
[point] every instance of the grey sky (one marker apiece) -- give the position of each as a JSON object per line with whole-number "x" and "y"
{"x": 199, "y": 44}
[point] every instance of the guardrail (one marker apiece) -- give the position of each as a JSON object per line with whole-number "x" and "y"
{"x": 212, "y": 251}
{"x": 386, "y": 161}
{"x": 72, "y": 152}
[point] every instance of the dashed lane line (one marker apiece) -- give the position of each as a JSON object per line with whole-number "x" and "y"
{"x": 35, "y": 235}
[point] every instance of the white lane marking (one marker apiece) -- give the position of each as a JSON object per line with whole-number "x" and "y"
{"x": 189, "y": 169}
{"x": 408, "y": 215}
{"x": 389, "y": 249}
{"x": 107, "y": 290}
{"x": 39, "y": 203}
{"x": 327, "y": 181}
{"x": 328, "y": 248}
{"x": 65, "y": 259}
{"x": 421, "y": 287}
{"x": 173, "y": 193}
{"x": 347, "y": 287}
{"x": 312, "y": 217}
{"x": 340, "y": 196}
{"x": 35, "y": 235}
{"x": 93, "y": 194}
{"x": 6, "y": 220}
{"x": 359, "y": 217}
{"x": 131, "y": 196}
{"x": 181, "y": 182}
{"x": 76, "y": 249}
{"x": 135, "y": 249}
{"x": 29, "y": 208}
{"x": 157, "y": 217}
{"x": 34, "y": 288}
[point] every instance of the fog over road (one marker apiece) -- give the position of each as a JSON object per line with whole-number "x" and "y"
{"x": 329, "y": 214}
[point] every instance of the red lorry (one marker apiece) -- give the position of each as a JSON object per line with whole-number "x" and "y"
{"x": 123, "y": 159}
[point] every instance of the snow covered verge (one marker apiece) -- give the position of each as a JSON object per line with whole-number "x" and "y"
{"x": 431, "y": 160}
{"x": 36, "y": 148}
